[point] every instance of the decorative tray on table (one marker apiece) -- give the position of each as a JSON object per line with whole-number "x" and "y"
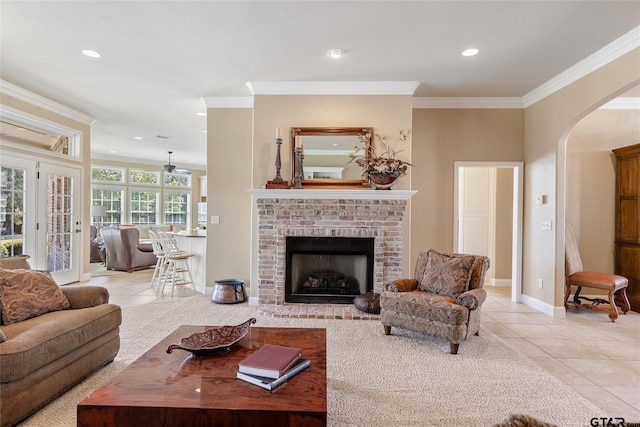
{"x": 213, "y": 340}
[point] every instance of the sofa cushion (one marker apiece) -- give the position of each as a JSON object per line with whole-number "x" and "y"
{"x": 28, "y": 293}
{"x": 38, "y": 341}
{"x": 447, "y": 274}
{"x": 15, "y": 262}
{"x": 425, "y": 305}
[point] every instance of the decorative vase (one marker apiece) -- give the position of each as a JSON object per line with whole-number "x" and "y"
{"x": 382, "y": 181}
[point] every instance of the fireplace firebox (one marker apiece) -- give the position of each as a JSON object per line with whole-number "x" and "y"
{"x": 328, "y": 270}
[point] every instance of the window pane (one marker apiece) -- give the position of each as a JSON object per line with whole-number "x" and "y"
{"x": 176, "y": 208}
{"x": 144, "y": 177}
{"x": 59, "y": 227}
{"x": 107, "y": 175}
{"x": 177, "y": 180}
{"x": 12, "y": 194}
{"x": 111, "y": 199}
{"x": 144, "y": 205}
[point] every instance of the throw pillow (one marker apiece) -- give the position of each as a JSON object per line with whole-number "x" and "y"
{"x": 3, "y": 337}
{"x": 29, "y": 293}
{"x": 447, "y": 274}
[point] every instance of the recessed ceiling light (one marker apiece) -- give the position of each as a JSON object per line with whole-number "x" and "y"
{"x": 470, "y": 52}
{"x": 336, "y": 53}
{"x": 91, "y": 53}
{"x": 201, "y": 114}
{"x": 113, "y": 151}
{"x": 137, "y": 137}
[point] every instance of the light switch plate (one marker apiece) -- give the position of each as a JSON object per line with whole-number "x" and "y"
{"x": 546, "y": 225}
{"x": 215, "y": 219}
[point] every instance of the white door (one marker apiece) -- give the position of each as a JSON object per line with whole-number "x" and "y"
{"x": 476, "y": 210}
{"x": 59, "y": 221}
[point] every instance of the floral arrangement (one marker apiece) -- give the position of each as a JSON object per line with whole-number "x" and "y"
{"x": 385, "y": 162}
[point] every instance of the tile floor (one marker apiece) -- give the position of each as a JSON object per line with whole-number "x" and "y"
{"x": 598, "y": 359}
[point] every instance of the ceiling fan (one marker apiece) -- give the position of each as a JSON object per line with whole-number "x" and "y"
{"x": 169, "y": 168}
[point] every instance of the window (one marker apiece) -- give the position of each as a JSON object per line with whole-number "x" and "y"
{"x": 177, "y": 180}
{"x": 144, "y": 177}
{"x": 12, "y": 196}
{"x": 139, "y": 196}
{"x": 104, "y": 174}
{"x": 176, "y": 208}
{"x": 144, "y": 207}
{"x": 111, "y": 199}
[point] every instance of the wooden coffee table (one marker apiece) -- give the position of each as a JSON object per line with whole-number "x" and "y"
{"x": 179, "y": 389}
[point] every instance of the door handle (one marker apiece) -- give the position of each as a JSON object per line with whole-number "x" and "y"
{"x": 77, "y": 230}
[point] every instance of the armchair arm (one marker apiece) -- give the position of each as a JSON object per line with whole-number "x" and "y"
{"x": 401, "y": 285}
{"x": 472, "y": 299}
{"x": 85, "y": 296}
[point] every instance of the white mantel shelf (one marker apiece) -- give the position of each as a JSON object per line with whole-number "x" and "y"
{"x": 351, "y": 194}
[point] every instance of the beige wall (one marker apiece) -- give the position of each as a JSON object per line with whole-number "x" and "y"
{"x": 229, "y": 171}
{"x": 504, "y": 224}
{"x": 441, "y": 137}
{"x": 590, "y": 186}
{"x": 547, "y": 125}
{"x": 386, "y": 114}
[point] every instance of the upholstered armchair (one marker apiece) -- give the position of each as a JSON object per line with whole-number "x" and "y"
{"x": 443, "y": 299}
{"x": 124, "y": 250}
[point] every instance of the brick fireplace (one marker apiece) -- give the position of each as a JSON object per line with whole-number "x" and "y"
{"x": 358, "y": 213}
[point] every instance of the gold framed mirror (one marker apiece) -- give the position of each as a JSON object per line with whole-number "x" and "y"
{"x": 326, "y": 153}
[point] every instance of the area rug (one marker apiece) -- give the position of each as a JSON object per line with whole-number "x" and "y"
{"x": 405, "y": 379}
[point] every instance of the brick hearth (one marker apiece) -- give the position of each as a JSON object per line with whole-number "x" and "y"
{"x": 333, "y": 213}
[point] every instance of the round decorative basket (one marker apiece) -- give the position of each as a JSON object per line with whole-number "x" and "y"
{"x": 382, "y": 181}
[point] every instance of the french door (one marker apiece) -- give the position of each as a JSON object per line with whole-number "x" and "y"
{"x": 60, "y": 221}
{"x": 41, "y": 215}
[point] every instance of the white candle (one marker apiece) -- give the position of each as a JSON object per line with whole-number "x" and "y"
{"x": 278, "y": 133}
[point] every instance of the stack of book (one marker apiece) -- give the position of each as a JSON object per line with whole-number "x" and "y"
{"x": 272, "y": 365}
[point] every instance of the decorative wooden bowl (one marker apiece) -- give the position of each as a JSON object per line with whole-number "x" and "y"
{"x": 213, "y": 340}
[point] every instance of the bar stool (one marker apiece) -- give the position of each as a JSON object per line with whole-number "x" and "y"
{"x": 177, "y": 263}
{"x": 158, "y": 272}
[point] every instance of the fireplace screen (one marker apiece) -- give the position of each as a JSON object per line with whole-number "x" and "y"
{"x": 328, "y": 269}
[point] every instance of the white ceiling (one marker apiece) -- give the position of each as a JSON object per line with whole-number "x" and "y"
{"x": 160, "y": 58}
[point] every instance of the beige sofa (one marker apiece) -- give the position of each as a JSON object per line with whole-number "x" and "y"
{"x": 43, "y": 356}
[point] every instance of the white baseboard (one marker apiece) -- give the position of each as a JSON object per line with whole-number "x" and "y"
{"x": 548, "y": 309}
{"x": 503, "y": 283}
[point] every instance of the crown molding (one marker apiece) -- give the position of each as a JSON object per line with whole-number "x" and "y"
{"x": 42, "y": 102}
{"x": 612, "y": 51}
{"x": 228, "y": 101}
{"x": 471, "y": 102}
{"x": 622, "y": 103}
{"x": 333, "y": 88}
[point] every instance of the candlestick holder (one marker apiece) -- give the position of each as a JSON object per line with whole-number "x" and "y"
{"x": 299, "y": 175}
{"x": 277, "y": 181}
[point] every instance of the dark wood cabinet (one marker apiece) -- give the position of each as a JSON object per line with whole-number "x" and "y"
{"x": 628, "y": 220}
